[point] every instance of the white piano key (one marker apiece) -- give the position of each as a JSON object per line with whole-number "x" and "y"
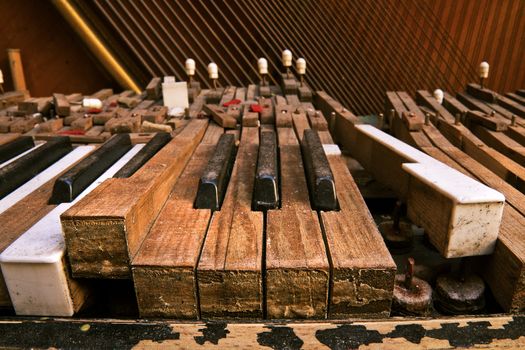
{"x": 461, "y": 215}
{"x": 33, "y": 266}
{"x": 45, "y": 176}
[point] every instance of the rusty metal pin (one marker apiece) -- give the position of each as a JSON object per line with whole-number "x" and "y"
{"x": 332, "y": 121}
{"x": 492, "y": 113}
{"x": 409, "y": 273}
{"x": 427, "y": 119}
{"x": 380, "y": 121}
{"x": 457, "y": 119}
{"x": 513, "y": 120}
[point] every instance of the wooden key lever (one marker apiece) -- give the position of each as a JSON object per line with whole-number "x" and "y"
{"x": 78, "y": 178}
{"x": 21, "y": 170}
{"x": 320, "y": 178}
{"x": 214, "y": 180}
{"x": 266, "y": 189}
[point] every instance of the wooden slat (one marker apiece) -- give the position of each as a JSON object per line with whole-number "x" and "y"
{"x": 164, "y": 269}
{"x": 116, "y": 216}
{"x": 502, "y": 143}
{"x": 297, "y": 269}
{"x": 362, "y": 268}
{"x": 229, "y": 272}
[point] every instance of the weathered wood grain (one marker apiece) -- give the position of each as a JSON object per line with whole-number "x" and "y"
{"x": 106, "y": 228}
{"x": 297, "y": 268}
{"x": 229, "y": 272}
{"x": 362, "y": 269}
{"x": 164, "y": 267}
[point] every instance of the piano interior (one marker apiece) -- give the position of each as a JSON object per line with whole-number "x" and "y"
{"x": 262, "y": 194}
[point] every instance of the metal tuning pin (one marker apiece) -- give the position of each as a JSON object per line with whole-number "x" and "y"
{"x": 190, "y": 69}
{"x": 439, "y": 95}
{"x": 287, "y": 61}
{"x": 262, "y": 64}
{"x": 483, "y": 72}
{"x": 213, "y": 72}
{"x": 301, "y": 68}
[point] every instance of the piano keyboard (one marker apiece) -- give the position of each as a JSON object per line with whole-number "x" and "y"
{"x": 250, "y": 210}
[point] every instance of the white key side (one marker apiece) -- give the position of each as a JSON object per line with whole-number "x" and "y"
{"x": 33, "y": 266}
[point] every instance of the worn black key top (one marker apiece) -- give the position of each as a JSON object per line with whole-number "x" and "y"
{"x": 149, "y": 150}
{"x": 214, "y": 180}
{"x": 15, "y": 147}
{"x": 16, "y": 173}
{"x": 266, "y": 188}
{"x": 318, "y": 174}
{"x": 76, "y": 179}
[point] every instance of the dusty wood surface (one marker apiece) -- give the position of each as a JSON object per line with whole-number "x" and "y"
{"x": 502, "y": 143}
{"x": 230, "y": 268}
{"x": 164, "y": 267}
{"x": 117, "y": 215}
{"x": 362, "y": 268}
{"x": 297, "y": 269}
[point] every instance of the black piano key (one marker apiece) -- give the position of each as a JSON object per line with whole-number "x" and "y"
{"x": 213, "y": 182}
{"x": 15, "y": 147}
{"x": 16, "y": 173}
{"x": 149, "y": 150}
{"x": 76, "y": 179}
{"x": 266, "y": 188}
{"x": 318, "y": 174}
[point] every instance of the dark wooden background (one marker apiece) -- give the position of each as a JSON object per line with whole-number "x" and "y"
{"x": 355, "y": 50}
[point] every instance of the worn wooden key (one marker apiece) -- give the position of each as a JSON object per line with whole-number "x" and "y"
{"x": 320, "y": 178}
{"x": 214, "y": 180}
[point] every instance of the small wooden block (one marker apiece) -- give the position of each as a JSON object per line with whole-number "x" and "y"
{"x": 83, "y": 123}
{"x": 51, "y": 126}
{"x": 61, "y": 103}
{"x": 23, "y": 125}
{"x": 214, "y": 96}
{"x": 220, "y": 117}
{"x": 250, "y": 119}
{"x": 490, "y": 122}
{"x": 289, "y": 85}
{"x": 305, "y": 93}
{"x": 103, "y": 117}
{"x": 267, "y": 115}
{"x": 283, "y": 116}
{"x": 153, "y": 89}
{"x": 156, "y": 114}
{"x": 265, "y": 91}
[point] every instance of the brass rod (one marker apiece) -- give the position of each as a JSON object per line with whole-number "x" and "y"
{"x": 95, "y": 45}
